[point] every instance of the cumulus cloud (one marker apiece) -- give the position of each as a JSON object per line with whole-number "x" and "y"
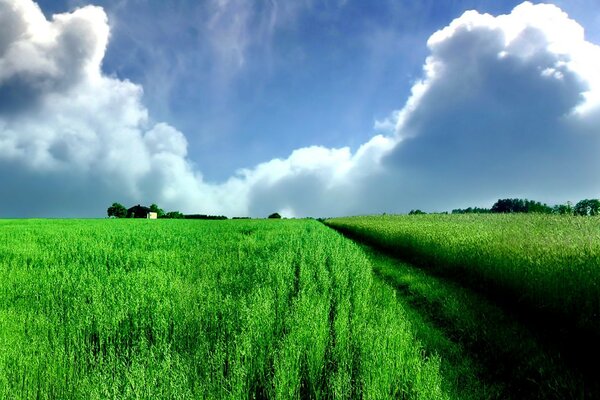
{"x": 505, "y": 108}
{"x": 80, "y": 139}
{"x": 72, "y": 138}
{"x": 507, "y": 105}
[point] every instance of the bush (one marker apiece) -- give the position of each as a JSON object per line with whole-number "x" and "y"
{"x": 117, "y": 210}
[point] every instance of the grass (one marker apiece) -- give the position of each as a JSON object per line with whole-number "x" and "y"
{"x": 98, "y": 309}
{"x": 485, "y": 353}
{"x": 546, "y": 266}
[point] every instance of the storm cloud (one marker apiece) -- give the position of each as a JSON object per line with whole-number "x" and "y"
{"x": 507, "y": 105}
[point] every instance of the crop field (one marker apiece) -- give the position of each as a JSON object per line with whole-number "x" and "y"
{"x": 100, "y": 309}
{"x": 414, "y": 307}
{"x": 516, "y": 288}
{"x": 550, "y": 264}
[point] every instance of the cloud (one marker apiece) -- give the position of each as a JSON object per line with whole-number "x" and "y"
{"x": 65, "y": 127}
{"x": 38, "y": 57}
{"x": 507, "y": 105}
{"x": 505, "y": 108}
{"x": 315, "y": 180}
{"x": 236, "y": 28}
{"x": 81, "y": 139}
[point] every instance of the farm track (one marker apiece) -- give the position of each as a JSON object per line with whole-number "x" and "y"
{"x": 488, "y": 349}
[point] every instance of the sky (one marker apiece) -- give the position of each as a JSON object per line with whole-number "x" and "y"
{"x": 307, "y": 108}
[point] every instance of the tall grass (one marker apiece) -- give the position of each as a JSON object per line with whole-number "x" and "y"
{"x": 485, "y": 352}
{"x": 547, "y": 264}
{"x": 199, "y": 309}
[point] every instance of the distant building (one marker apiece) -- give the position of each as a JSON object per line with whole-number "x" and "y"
{"x": 139, "y": 212}
{"x": 152, "y": 215}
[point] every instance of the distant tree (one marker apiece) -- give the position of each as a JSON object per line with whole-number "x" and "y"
{"x": 275, "y": 216}
{"x": 508, "y": 206}
{"x": 172, "y": 215}
{"x": 537, "y": 207}
{"x": 563, "y": 209}
{"x": 520, "y": 206}
{"x": 587, "y": 207}
{"x": 416, "y": 212}
{"x": 159, "y": 211}
{"x": 117, "y": 210}
{"x": 471, "y": 210}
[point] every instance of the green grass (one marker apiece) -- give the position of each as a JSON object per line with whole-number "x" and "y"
{"x": 200, "y": 309}
{"x": 485, "y": 353}
{"x": 548, "y": 266}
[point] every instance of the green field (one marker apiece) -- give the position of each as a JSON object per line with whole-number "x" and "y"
{"x": 544, "y": 263}
{"x": 97, "y": 309}
{"x": 291, "y": 309}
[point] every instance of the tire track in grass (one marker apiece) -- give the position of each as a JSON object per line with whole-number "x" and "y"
{"x": 486, "y": 353}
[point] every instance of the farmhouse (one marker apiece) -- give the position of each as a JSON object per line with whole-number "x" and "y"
{"x": 141, "y": 212}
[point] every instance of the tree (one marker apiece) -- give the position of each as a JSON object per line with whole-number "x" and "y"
{"x": 159, "y": 211}
{"x": 117, "y": 210}
{"x": 173, "y": 215}
{"x": 587, "y": 207}
{"x": 563, "y": 209}
{"x": 471, "y": 210}
{"x": 537, "y": 207}
{"x": 509, "y": 206}
{"x": 520, "y": 206}
{"x": 416, "y": 212}
{"x": 275, "y": 216}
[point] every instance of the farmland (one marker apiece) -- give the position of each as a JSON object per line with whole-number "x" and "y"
{"x": 429, "y": 307}
{"x": 547, "y": 263}
{"x": 520, "y": 288}
{"x": 200, "y": 309}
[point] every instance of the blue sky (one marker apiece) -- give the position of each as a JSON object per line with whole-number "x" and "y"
{"x": 304, "y": 107}
{"x": 321, "y": 75}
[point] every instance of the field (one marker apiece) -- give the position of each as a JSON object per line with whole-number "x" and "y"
{"x": 535, "y": 273}
{"x": 200, "y": 309}
{"x": 428, "y": 307}
{"x": 549, "y": 264}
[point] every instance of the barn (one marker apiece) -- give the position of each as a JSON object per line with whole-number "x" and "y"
{"x": 139, "y": 211}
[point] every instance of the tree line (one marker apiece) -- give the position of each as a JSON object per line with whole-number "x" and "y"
{"x": 117, "y": 210}
{"x": 583, "y": 207}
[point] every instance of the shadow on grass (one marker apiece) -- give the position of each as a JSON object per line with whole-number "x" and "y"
{"x": 481, "y": 340}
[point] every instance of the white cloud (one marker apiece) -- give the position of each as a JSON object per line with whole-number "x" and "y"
{"x": 507, "y": 105}
{"x": 80, "y": 126}
{"x": 504, "y": 109}
{"x": 60, "y": 115}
